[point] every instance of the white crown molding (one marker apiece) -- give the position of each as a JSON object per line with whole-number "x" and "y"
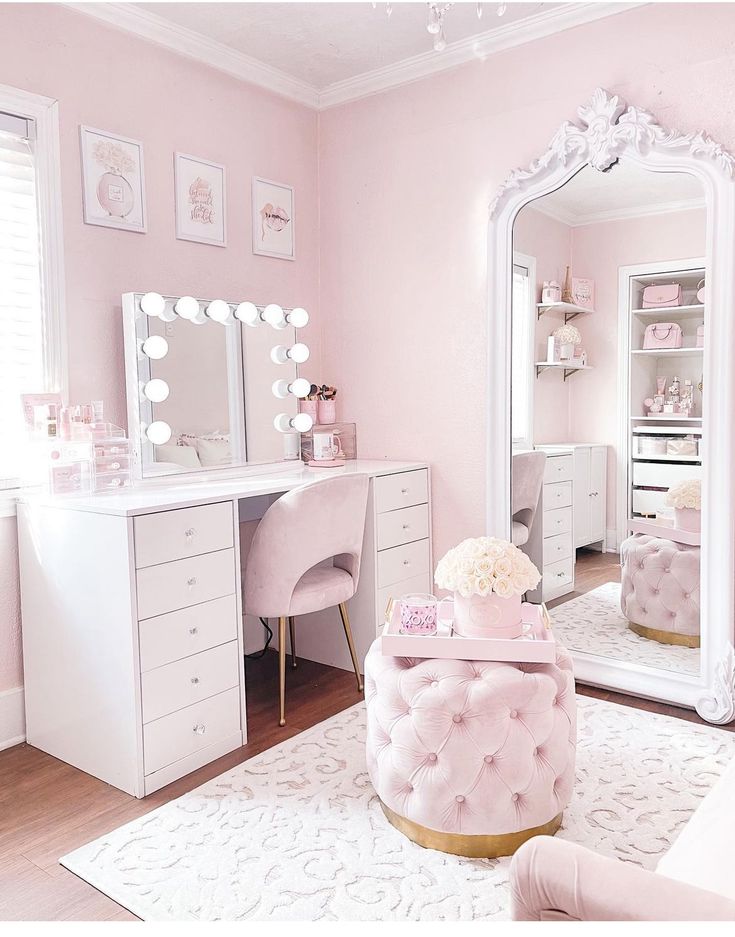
{"x": 196, "y": 46}
{"x": 576, "y": 220}
{"x": 480, "y": 46}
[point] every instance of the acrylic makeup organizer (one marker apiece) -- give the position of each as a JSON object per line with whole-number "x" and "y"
{"x": 95, "y": 458}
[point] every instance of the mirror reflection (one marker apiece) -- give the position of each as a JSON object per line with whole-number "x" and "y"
{"x": 608, "y": 324}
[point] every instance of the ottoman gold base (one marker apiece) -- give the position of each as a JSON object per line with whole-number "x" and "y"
{"x": 491, "y": 846}
{"x": 664, "y": 637}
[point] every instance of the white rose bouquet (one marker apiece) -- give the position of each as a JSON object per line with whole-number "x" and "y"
{"x": 687, "y": 494}
{"x": 568, "y": 335}
{"x": 482, "y": 565}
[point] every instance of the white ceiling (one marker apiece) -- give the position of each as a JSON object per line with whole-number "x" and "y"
{"x": 322, "y": 43}
{"x": 627, "y": 190}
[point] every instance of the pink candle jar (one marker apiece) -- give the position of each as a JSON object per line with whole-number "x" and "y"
{"x": 419, "y": 614}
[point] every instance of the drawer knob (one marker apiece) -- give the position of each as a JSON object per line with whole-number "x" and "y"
{"x": 194, "y": 630}
{"x": 189, "y": 533}
{"x": 406, "y": 526}
{"x": 407, "y": 562}
{"x": 404, "y": 491}
{"x": 199, "y": 729}
{"x": 195, "y": 680}
{"x": 191, "y": 581}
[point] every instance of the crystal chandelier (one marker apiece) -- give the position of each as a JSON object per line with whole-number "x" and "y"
{"x": 435, "y": 23}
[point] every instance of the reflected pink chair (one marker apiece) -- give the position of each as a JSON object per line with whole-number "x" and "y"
{"x": 526, "y": 481}
{"x": 285, "y": 573}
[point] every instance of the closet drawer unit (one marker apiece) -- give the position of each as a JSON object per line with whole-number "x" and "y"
{"x": 183, "y": 583}
{"x": 558, "y": 468}
{"x": 650, "y": 503}
{"x": 417, "y": 584}
{"x": 187, "y": 731}
{"x": 174, "y": 686}
{"x": 170, "y": 637}
{"x": 661, "y": 475}
{"x": 558, "y": 574}
{"x": 404, "y": 526}
{"x": 558, "y": 521}
{"x": 558, "y": 495}
{"x": 173, "y": 535}
{"x": 404, "y": 562}
{"x": 401, "y": 490}
{"x": 557, "y": 548}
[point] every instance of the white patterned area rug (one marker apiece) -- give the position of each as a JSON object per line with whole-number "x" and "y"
{"x": 296, "y": 833}
{"x": 593, "y": 623}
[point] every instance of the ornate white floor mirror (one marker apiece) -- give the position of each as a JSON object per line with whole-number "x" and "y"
{"x": 611, "y": 137}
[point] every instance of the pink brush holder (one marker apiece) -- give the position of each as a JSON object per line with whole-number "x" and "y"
{"x": 326, "y": 411}
{"x": 310, "y": 407}
{"x": 487, "y": 616}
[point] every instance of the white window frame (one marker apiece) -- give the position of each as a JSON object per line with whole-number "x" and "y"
{"x": 44, "y": 112}
{"x": 525, "y": 260}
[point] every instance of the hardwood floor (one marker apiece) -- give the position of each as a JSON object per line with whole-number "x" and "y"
{"x": 48, "y": 808}
{"x": 592, "y": 569}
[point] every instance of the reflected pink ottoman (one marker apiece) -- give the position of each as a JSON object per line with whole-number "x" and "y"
{"x": 470, "y": 757}
{"x": 659, "y": 593}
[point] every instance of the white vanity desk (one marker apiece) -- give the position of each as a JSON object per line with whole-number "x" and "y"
{"x": 132, "y": 615}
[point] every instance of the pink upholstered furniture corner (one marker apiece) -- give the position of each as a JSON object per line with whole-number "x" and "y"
{"x": 470, "y": 749}
{"x": 286, "y": 572}
{"x": 554, "y": 880}
{"x": 659, "y": 592}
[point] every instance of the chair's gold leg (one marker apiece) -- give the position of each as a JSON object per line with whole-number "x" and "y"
{"x": 350, "y": 642}
{"x": 282, "y": 668}
{"x": 292, "y": 629}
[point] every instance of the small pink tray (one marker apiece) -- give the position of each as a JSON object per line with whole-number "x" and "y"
{"x": 536, "y": 645}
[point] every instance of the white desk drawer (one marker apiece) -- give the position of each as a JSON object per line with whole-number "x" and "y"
{"x": 558, "y": 495}
{"x": 173, "y": 535}
{"x": 170, "y": 637}
{"x": 404, "y": 562}
{"x": 397, "y": 527}
{"x": 187, "y": 731}
{"x": 174, "y": 686}
{"x": 182, "y": 583}
{"x": 557, "y": 548}
{"x": 559, "y": 574}
{"x": 558, "y": 468}
{"x": 420, "y": 584}
{"x": 661, "y": 475}
{"x": 558, "y": 521}
{"x": 401, "y": 490}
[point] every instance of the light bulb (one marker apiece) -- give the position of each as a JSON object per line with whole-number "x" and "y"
{"x": 152, "y": 304}
{"x": 187, "y": 307}
{"x": 298, "y": 318}
{"x": 167, "y": 314}
{"x": 433, "y": 26}
{"x": 199, "y": 319}
{"x": 479, "y": 11}
{"x": 300, "y": 387}
{"x": 502, "y": 8}
{"x": 156, "y": 347}
{"x": 159, "y": 432}
{"x": 299, "y": 353}
{"x": 280, "y": 389}
{"x": 156, "y": 390}
{"x": 273, "y": 315}
{"x": 440, "y": 43}
{"x": 301, "y": 422}
{"x": 218, "y": 310}
{"x": 248, "y": 313}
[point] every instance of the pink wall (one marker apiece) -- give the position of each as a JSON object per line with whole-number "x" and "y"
{"x": 109, "y": 79}
{"x": 406, "y": 178}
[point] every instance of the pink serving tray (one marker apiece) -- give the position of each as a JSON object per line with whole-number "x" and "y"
{"x": 536, "y": 645}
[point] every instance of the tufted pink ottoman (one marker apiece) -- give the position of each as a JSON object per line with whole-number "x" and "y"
{"x": 660, "y": 589}
{"x": 470, "y": 757}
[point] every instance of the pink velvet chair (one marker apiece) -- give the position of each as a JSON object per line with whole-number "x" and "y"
{"x": 285, "y": 575}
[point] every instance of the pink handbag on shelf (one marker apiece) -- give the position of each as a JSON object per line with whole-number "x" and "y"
{"x": 662, "y": 335}
{"x": 667, "y": 294}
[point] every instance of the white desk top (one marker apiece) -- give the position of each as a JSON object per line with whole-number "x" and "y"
{"x": 188, "y": 491}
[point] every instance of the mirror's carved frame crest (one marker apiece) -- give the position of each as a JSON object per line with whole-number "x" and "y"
{"x": 609, "y": 130}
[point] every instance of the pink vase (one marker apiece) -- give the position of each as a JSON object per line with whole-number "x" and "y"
{"x": 688, "y": 519}
{"x": 487, "y": 616}
{"x": 327, "y": 411}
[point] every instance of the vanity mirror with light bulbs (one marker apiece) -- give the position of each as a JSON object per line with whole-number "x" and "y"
{"x": 611, "y": 285}
{"x": 211, "y": 384}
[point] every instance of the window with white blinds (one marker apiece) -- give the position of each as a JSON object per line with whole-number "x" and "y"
{"x": 21, "y": 294}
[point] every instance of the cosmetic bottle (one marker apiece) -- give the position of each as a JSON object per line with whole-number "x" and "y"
{"x": 65, "y": 423}
{"x": 97, "y": 411}
{"x": 52, "y": 427}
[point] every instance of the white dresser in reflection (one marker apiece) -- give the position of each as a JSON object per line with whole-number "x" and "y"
{"x": 132, "y": 614}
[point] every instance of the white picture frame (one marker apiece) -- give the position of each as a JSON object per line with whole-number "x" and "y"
{"x": 271, "y": 200}
{"x": 109, "y": 201}
{"x": 200, "y": 195}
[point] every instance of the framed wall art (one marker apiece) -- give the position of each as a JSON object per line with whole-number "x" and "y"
{"x": 273, "y": 219}
{"x": 200, "y": 200}
{"x": 113, "y": 180}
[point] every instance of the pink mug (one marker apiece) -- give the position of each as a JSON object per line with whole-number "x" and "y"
{"x": 420, "y": 613}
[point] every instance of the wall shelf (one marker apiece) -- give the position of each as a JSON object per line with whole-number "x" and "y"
{"x": 668, "y": 352}
{"x": 568, "y": 367}
{"x": 668, "y": 458}
{"x": 570, "y": 310}
{"x": 676, "y": 312}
